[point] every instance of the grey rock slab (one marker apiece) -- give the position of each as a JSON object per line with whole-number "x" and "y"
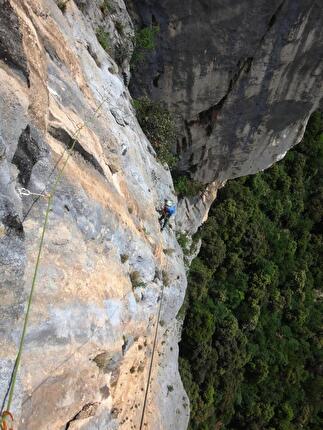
{"x": 241, "y": 79}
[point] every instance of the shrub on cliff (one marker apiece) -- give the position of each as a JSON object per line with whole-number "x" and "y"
{"x": 103, "y": 38}
{"x": 159, "y": 127}
{"x": 187, "y": 187}
{"x": 144, "y": 42}
{"x": 61, "y": 4}
{"x": 106, "y": 7}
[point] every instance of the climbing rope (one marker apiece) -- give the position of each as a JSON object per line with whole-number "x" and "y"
{"x": 152, "y": 359}
{"x": 51, "y": 195}
{"x": 43, "y": 192}
{"x": 78, "y": 349}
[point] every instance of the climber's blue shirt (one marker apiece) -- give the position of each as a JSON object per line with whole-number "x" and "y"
{"x": 170, "y": 211}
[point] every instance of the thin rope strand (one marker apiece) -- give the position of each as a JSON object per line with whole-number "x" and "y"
{"x": 151, "y": 361}
{"x": 26, "y": 319}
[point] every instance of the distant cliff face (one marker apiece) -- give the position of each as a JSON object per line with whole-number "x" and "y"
{"x": 241, "y": 77}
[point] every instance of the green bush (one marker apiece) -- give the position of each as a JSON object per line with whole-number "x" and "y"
{"x": 136, "y": 280}
{"x": 145, "y": 40}
{"x": 106, "y": 7}
{"x": 119, "y": 27}
{"x": 186, "y": 187}
{"x": 124, "y": 258}
{"x": 170, "y": 388}
{"x": 159, "y": 127}
{"x": 103, "y": 38}
{"x": 61, "y": 4}
{"x": 168, "y": 251}
{"x": 250, "y": 348}
{"x": 183, "y": 241}
{"x": 165, "y": 278}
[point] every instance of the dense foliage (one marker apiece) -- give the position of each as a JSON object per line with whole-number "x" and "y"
{"x": 144, "y": 42}
{"x": 251, "y": 349}
{"x": 186, "y": 187}
{"x": 159, "y": 127}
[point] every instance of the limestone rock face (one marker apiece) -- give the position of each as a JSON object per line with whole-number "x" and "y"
{"x": 241, "y": 78}
{"x": 104, "y": 262}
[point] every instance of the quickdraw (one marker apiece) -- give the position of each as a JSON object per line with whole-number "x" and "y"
{"x": 25, "y": 192}
{"x": 4, "y": 425}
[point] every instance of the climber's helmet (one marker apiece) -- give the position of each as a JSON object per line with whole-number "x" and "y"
{"x": 169, "y": 203}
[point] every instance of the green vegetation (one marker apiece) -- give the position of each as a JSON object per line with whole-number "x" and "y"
{"x": 106, "y": 8}
{"x": 144, "y": 42}
{"x": 170, "y": 388}
{"x": 121, "y": 52}
{"x": 159, "y": 128}
{"x": 251, "y": 354}
{"x": 186, "y": 187}
{"x": 187, "y": 243}
{"x": 119, "y": 27}
{"x": 165, "y": 278}
{"x": 124, "y": 258}
{"x": 136, "y": 280}
{"x": 183, "y": 241}
{"x": 168, "y": 251}
{"x": 103, "y": 38}
{"x": 61, "y": 4}
{"x": 101, "y": 360}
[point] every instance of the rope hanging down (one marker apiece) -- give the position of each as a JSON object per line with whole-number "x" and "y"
{"x": 51, "y": 195}
{"x": 44, "y": 193}
{"x": 152, "y": 359}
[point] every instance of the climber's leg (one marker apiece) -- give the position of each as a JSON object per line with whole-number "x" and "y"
{"x": 165, "y": 222}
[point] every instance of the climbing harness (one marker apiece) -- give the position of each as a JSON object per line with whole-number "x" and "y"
{"x": 166, "y": 212}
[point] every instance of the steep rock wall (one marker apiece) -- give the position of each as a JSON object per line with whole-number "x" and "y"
{"x": 240, "y": 77}
{"x": 90, "y": 334}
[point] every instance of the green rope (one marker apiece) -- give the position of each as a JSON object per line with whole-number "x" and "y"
{"x": 49, "y": 204}
{"x": 151, "y": 361}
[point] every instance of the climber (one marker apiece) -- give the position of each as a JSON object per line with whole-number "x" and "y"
{"x": 167, "y": 211}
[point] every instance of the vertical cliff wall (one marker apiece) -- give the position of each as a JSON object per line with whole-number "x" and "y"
{"x": 241, "y": 80}
{"x": 104, "y": 263}
{"x": 241, "y": 77}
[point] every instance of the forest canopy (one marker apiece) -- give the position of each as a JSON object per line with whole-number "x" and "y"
{"x": 250, "y": 355}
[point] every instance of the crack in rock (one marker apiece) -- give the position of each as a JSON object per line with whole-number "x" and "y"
{"x": 88, "y": 410}
{"x": 64, "y": 137}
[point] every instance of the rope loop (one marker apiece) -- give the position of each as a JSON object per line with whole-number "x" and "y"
{"x": 25, "y": 192}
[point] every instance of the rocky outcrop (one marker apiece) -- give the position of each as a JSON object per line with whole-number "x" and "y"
{"x": 240, "y": 77}
{"x": 104, "y": 263}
